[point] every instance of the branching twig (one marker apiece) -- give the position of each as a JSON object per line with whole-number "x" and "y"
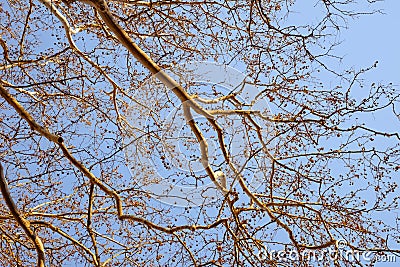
{"x": 25, "y": 224}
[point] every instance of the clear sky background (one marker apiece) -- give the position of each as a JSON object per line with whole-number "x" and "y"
{"x": 367, "y": 39}
{"x": 371, "y": 38}
{"x": 377, "y": 37}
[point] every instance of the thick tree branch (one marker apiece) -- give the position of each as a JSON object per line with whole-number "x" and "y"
{"x": 25, "y": 224}
{"x": 59, "y": 141}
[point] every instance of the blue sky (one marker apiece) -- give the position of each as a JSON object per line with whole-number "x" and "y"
{"x": 375, "y": 37}
{"x": 368, "y": 39}
{"x": 371, "y": 38}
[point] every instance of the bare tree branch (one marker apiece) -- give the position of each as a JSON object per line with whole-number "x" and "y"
{"x": 23, "y": 223}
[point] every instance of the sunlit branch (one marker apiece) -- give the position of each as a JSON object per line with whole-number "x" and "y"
{"x": 25, "y": 224}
